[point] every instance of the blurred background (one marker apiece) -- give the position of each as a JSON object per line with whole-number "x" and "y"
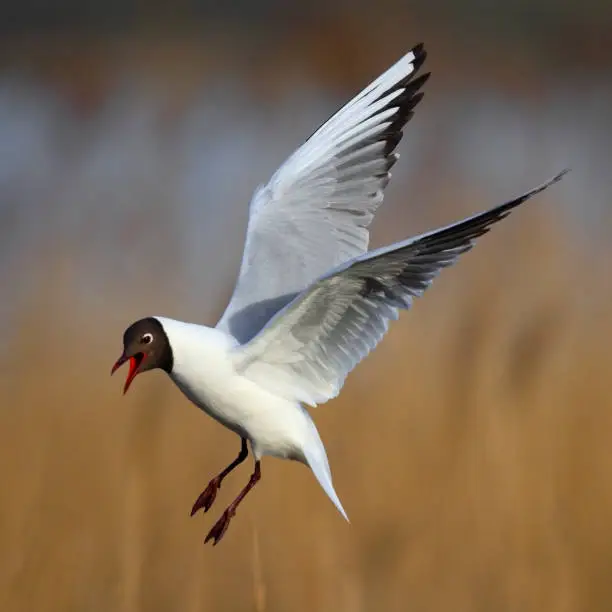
{"x": 471, "y": 450}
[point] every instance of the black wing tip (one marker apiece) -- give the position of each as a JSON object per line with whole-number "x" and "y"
{"x": 539, "y": 188}
{"x": 557, "y": 177}
{"x": 419, "y": 52}
{"x": 420, "y": 81}
{"x": 420, "y": 55}
{"x": 505, "y": 209}
{"x": 406, "y": 103}
{"x": 408, "y": 100}
{"x": 473, "y": 227}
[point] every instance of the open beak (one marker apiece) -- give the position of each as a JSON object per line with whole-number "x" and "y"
{"x": 135, "y": 361}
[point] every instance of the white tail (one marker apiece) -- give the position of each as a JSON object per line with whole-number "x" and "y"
{"x": 317, "y": 460}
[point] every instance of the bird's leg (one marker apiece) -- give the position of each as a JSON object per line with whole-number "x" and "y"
{"x": 207, "y": 497}
{"x": 220, "y": 527}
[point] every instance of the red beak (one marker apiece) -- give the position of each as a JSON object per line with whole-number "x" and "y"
{"x": 135, "y": 362}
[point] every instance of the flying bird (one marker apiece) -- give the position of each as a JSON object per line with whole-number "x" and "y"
{"x": 310, "y": 301}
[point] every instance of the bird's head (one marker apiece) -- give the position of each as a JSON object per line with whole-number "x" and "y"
{"x": 146, "y": 347}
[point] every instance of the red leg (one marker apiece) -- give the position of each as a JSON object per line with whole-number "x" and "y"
{"x": 207, "y": 497}
{"x": 220, "y": 527}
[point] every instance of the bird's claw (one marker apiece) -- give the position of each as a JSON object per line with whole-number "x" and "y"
{"x": 220, "y": 527}
{"x": 207, "y": 497}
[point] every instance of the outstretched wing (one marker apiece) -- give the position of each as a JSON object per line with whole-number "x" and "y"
{"x": 314, "y": 213}
{"x": 306, "y": 351}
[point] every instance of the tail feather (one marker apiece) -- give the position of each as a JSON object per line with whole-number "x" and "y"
{"x": 318, "y": 463}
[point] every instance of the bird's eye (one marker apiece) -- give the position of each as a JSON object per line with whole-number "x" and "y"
{"x": 146, "y": 339}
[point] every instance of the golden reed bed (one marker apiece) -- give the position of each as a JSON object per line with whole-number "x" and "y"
{"x": 472, "y": 452}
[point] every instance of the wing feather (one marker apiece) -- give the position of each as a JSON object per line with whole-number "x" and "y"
{"x": 314, "y": 213}
{"x": 307, "y": 349}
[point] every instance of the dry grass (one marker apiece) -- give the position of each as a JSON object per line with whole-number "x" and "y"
{"x": 472, "y": 452}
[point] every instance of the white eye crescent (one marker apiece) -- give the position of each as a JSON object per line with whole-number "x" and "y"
{"x": 146, "y": 338}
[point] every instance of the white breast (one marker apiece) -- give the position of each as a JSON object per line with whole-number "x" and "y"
{"x": 204, "y": 371}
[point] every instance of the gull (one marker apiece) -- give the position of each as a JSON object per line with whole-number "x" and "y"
{"x": 310, "y": 301}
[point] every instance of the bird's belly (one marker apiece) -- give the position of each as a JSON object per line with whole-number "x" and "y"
{"x": 274, "y": 425}
{"x": 227, "y": 413}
